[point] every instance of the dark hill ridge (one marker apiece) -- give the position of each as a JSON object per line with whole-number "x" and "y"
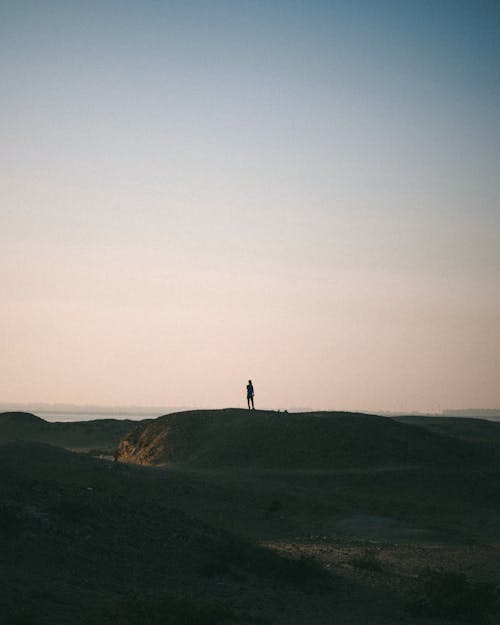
{"x": 16, "y": 419}
{"x": 275, "y": 440}
{"x": 103, "y": 434}
{"x": 468, "y": 429}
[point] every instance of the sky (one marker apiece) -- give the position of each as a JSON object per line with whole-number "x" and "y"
{"x": 197, "y": 193}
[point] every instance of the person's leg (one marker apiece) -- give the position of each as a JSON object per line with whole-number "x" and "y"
{"x": 248, "y": 402}
{"x": 251, "y": 399}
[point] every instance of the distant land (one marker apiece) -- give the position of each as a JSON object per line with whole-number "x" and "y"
{"x": 84, "y": 412}
{"x": 89, "y": 412}
{"x": 491, "y": 414}
{"x": 485, "y": 413}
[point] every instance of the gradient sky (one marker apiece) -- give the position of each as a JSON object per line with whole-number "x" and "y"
{"x": 302, "y": 193}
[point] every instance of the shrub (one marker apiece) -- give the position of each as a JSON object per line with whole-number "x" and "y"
{"x": 451, "y": 595}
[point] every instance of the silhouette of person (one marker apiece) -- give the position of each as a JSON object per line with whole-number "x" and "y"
{"x": 250, "y": 395}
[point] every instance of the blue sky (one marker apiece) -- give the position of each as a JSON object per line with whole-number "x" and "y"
{"x": 302, "y": 193}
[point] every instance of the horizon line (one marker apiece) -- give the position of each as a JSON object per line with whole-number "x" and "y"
{"x": 60, "y": 407}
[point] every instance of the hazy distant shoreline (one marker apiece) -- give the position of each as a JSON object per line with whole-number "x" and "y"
{"x": 64, "y": 412}
{"x": 93, "y": 416}
{"x": 72, "y": 412}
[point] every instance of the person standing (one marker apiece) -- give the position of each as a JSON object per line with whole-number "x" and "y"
{"x": 250, "y": 395}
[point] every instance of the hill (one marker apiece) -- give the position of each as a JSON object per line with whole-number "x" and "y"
{"x": 274, "y": 440}
{"x": 85, "y": 541}
{"x": 474, "y": 430}
{"x": 100, "y": 434}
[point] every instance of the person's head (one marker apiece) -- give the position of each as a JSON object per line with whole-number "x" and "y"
{"x": 249, "y": 381}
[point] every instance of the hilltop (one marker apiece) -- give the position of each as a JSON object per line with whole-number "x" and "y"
{"x": 272, "y": 440}
{"x": 100, "y": 434}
